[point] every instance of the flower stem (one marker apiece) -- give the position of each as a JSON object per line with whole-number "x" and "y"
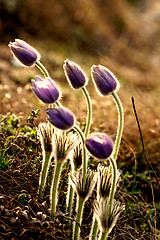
{"x": 44, "y": 172}
{"x": 94, "y": 229}
{"x": 78, "y": 130}
{"x": 120, "y": 124}
{"x": 42, "y": 68}
{"x": 70, "y": 200}
{"x": 54, "y": 189}
{"x": 89, "y": 106}
{"x": 114, "y": 181}
{"x": 78, "y": 219}
{"x": 104, "y": 235}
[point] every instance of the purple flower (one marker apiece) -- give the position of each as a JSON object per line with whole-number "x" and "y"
{"x": 74, "y": 74}
{"x": 104, "y": 79}
{"x": 99, "y": 145}
{"x": 61, "y": 117}
{"x": 26, "y": 54}
{"x": 45, "y": 89}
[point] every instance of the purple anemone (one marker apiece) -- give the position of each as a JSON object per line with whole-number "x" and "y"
{"x": 74, "y": 74}
{"x": 104, "y": 79}
{"x": 61, "y": 117}
{"x": 46, "y": 90}
{"x": 99, "y": 145}
{"x": 26, "y": 54}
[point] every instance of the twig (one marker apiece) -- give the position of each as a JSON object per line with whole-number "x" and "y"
{"x": 69, "y": 218}
{"x": 8, "y": 227}
{"x": 140, "y": 132}
{"x": 8, "y": 114}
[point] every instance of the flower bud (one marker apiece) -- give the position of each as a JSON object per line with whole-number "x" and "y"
{"x": 61, "y": 117}
{"x": 108, "y": 219}
{"x": 74, "y": 74}
{"x": 77, "y": 156}
{"x": 84, "y": 186}
{"x": 23, "y": 52}
{"x": 104, "y": 79}
{"x": 99, "y": 145}
{"x": 45, "y": 135}
{"x": 64, "y": 143}
{"x": 45, "y": 89}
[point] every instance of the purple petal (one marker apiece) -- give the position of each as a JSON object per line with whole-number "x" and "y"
{"x": 23, "y": 55}
{"x": 45, "y": 89}
{"x": 60, "y": 117}
{"x": 43, "y": 97}
{"x": 26, "y": 54}
{"x": 104, "y": 79}
{"x": 74, "y": 74}
{"x": 100, "y": 146}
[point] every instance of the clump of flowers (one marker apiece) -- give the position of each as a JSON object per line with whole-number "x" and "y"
{"x": 61, "y": 139}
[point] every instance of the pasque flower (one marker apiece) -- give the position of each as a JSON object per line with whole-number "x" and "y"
{"x": 26, "y": 54}
{"x": 84, "y": 188}
{"x": 64, "y": 143}
{"x": 74, "y": 74}
{"x": 46, "y": 90}
{"x": 107, "y": 218}
{"x": 99, "y": 145}
{"x": 61, "y": 117}
{"x": 104, "y": 79}
{"x": 45, "y": 135}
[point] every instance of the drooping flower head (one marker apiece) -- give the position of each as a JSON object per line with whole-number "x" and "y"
{"x": 24, "y": 53}
{"x": 61, "y": 117}
{"x": 104, "y": 79}
{"x": 46, "y": 90}
{"x": 74, "y": 74}
{"x": 99, "y": 145}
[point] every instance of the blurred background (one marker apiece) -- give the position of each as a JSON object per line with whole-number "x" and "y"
{"x": 127, "y": 30}
{"x": 123, "y": 35}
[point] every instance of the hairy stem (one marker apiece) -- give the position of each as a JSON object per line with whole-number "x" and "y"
{"x": 42, "y": 68}
{"x": 55, "y": 181}
{"x": 78, "y": 130}
{"x": 120, "y": 124}
{"x": 43, "y": 175}
{"x": 94, "y": 229}
{"x": 114, "y": 181}
{"x": 104, "y": 235}
{"x": 70, "y": 200}
{"x": 89, "y": 115}
{"x": 76, "y": 230}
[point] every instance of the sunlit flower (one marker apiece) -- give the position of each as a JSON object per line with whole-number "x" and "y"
{"x": 61, "y": 117}
{"x": 83, "y": 188}
{"x": 46, "y": 90}
{"x": 74, "y": 74}
{"x": 104, "y": 79}
{"x": 99, "y": 145}
{"x": 64, "y": 142}
{"x": 23, "y": 52}
{"x": 45, "y": 135}
{"x": 106, "y": 217}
